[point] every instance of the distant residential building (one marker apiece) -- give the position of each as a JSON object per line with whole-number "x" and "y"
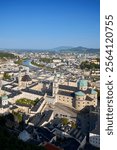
{"x": 56, "y": 60}
{"x": 95, "y": 61}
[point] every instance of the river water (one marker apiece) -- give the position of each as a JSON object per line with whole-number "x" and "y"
{"x": 28, "y": 64}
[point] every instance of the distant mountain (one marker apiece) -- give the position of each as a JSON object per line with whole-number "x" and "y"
{"x": 81, "y": 49}
{"x": 62, "y": 48}
{"x": 78, "y": 49}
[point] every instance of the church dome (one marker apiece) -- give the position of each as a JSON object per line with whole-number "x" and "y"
{"x": 82, "y": 84}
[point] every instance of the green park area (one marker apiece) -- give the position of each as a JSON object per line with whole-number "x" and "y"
{"x": 42, "y": 66}
{"x": 27, "y": 101}
{"x": 38, "y": 65}
{"x": 46, "y": 60}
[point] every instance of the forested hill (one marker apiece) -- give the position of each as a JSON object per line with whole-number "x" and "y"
{"x": 6, "y": 55}
{"x": 81, "y": 50}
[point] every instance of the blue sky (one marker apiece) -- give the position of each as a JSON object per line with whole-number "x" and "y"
{"x": 36, "y": 24}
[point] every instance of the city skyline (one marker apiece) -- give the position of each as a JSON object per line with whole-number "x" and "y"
{"x": 49, "y": 24}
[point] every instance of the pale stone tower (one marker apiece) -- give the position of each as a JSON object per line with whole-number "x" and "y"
{"x": 79, "y": 100}
{"x": 55, "y": 87}
{"x": 61, "y": 78}
{"x": 19, "y": 79}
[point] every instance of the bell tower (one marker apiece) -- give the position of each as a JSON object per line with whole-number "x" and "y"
{"x": 19, "y": 79}
{"x": 55, "y": 86}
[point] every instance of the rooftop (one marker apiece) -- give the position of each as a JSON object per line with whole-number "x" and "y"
{"x": 68, "y": 144}
{"x": 3, "y": 97}
{"x": 67, "y": 87}
{"x": 88, "y": 98}
{"x": 49, "y": 146}
{"x": 93, "y": 91}
{"x": 65, "y": 93}
{"x": 26, "y": 78}
{"x": 79, "y": 93}
{"x": 38, "y": 104}
{"x": 39, "y": 119}
{"x": 97, "y": 128}
{"x": 45, "y": 134}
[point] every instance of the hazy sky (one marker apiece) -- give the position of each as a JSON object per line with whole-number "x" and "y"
{"x": 49, "y": 23}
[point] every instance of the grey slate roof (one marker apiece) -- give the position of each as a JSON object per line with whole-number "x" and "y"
{"x": 70, "y": 88}
{"x": 65, "y": 93}
{"x": 36, "y": 107}
{"x": 39, "y": 119}
{"x": 89, "y": 98}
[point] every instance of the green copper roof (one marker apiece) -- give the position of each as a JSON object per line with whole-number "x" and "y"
{"x": 79, "y": 93}
{"x": 82, "y": 83}
{"x": 93, "y": 91}
{"x": 4, "y": 97}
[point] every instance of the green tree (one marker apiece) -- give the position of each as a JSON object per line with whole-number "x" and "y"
{"x": 64, "y": 121}
{"x": 6, "y": 76}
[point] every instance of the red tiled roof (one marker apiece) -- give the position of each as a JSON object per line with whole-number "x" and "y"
{"x": 49, "y": 146}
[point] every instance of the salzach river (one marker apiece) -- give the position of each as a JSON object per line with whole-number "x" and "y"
{"x": 28, "y": 64}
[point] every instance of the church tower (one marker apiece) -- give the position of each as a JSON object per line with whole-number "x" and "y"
{"x": 19, "y": 79}
{"x": 55, "y": 87}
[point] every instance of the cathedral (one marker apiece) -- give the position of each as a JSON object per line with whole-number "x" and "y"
{"x": 78, "y": 96}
